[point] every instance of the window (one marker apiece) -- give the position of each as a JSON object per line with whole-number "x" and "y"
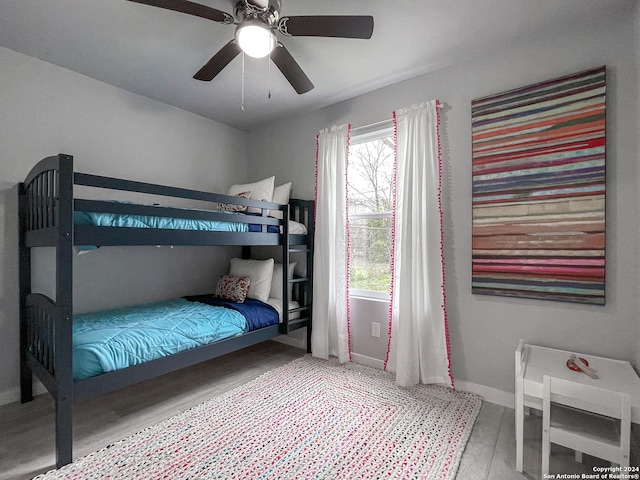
{"x": 370, "y": 203}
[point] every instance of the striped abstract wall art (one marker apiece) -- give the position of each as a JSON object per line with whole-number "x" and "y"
{"x": 539, "y": 190}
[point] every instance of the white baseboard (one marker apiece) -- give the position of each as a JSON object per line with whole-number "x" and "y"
{"x": 13, "y": 394}
{"x": 292, "y": 341}
{"x": 368, "y": 361}
{"x": 489, "y": 394}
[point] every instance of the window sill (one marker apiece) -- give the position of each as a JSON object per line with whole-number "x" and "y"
{"x": 369, "y": 295}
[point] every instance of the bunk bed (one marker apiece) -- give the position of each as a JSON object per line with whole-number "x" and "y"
{"x": 51, "y": 216}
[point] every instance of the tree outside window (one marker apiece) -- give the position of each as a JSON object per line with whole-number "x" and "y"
{"x": 370, "y": 195}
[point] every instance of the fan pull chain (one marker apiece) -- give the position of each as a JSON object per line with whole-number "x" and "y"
{"x": 269, "y": 78}
{"x": 242, "y": 95}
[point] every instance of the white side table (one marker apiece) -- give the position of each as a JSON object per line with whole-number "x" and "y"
{"x": 532, "y": 362}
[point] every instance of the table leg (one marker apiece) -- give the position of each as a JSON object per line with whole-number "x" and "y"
{"x": 520, "y": 357}
{"x": 519, "y": 414}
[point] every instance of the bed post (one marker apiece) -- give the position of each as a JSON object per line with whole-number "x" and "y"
{"x": 286, "y": 247}
{"x": 24, "y": 260}
{"x": 64, "y": 301}
{"x": 311, "y": 230}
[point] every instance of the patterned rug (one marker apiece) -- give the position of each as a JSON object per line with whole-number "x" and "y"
{"x": 308, "y": 419}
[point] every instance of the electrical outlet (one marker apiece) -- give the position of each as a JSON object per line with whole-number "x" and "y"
{"x": 375, "y": 329}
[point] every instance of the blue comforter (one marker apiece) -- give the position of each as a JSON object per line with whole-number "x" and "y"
{"x": 151, "y": 221}
{"x": 115, "y": 339}
{"x": 257, "y": 313}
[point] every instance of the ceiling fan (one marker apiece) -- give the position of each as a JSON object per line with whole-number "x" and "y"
{"x": 256, "y": 22}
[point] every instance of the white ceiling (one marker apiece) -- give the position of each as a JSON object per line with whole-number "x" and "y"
{"x": 155, "y": 52}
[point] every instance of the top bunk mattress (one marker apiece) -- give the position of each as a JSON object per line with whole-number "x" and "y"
{"x": 158, "y": 222}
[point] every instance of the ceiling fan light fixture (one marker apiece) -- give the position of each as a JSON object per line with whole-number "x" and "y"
{"x": 255, "y": 39}
{"x": 257, "y": 21}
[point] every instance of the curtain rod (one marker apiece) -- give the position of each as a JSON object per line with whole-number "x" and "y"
{"x": 372, "y": 126}
{"x": 379, "y": 125}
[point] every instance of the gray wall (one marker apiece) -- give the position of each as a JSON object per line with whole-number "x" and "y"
{"x": 636, "y": 42}
{"x": 45, "y": 110}
{"x": 364, "y": 312}
{"x": 485, "y": 329}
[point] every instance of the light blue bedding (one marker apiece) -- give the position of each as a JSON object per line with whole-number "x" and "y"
{"x": 107, "y": 341}
{"x": 150, "y": 221}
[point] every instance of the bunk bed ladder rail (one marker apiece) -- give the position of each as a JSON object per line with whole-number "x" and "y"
{"x": 46, "y": 219}
{"x": 303, "y": 211}
{"x": 286, "y": 241}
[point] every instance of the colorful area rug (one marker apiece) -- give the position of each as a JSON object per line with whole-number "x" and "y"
{"x": 308, "y": 419}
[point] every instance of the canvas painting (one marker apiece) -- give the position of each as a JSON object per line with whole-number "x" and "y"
{"x": 538, "y": 157}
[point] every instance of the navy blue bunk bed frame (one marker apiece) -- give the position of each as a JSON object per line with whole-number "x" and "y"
{"x": 46, "y": 207}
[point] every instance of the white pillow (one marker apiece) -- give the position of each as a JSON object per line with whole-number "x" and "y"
{"x": 280, "y": 195}
{"x": 262, "y": 190}
{"x": 276, "y": 280}
{"x": 260, "y": 271}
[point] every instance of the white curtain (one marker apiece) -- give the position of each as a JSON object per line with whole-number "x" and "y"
{"x": 419, "y": 346}
{"x": 330, "y": 334}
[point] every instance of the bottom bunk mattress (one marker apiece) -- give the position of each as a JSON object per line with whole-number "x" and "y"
{"x": 115, "y": 339}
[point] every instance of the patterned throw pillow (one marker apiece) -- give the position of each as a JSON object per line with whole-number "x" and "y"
{"x": 230, "y": 207}
{"x": 233, "y": 288}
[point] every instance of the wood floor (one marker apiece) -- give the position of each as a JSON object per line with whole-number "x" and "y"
{"x": 26, "y": 431}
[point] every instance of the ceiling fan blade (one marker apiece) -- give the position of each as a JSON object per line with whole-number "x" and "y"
{"x": 190, "y": 8}
{"x": 291, "y": 70}
{"x": 342, "y": 26}
{"x": 218, "y": 62}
